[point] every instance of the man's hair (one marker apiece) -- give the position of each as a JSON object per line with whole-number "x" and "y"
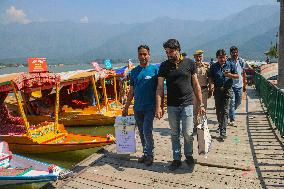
{"x": 233, "y": 48}
{"x": 144, "y": 47}
{"x": 172, "y": 44}
{"x": 220, "y": 52}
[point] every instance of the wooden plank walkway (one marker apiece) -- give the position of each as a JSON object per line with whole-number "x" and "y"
{"x": 251, "y": 157}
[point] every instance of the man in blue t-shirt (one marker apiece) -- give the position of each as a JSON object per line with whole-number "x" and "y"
{"x": 143, "y": 84}
{"x": 221, "y": 74}
{"x": 238, "y": 84}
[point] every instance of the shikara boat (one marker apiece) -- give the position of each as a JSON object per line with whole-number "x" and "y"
{"x": 106, "y": 92}
{"x": 16, "y": 169}
{"x": 46, "y": 135}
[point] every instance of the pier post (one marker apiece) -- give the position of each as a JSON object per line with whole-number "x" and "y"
{"x": 56, "y": 107}
{"x": 96, "y": 93}
{"x": 115, "y": 91}
{"x": 281, "y": 47}
{"x": 21, "y": 108}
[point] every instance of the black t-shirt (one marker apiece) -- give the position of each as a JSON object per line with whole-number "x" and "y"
{"x": 178, "y": 80}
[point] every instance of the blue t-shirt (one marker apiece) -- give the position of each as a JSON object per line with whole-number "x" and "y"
{"x": 216, "y": 72}
{"x": 240, "y": 64}
{"x": 144, "y": 81}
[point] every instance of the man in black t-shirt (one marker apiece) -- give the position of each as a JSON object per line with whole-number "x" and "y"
{"x": 182, "y": 85}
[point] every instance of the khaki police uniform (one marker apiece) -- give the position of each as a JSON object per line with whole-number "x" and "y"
{"x": 202, "y": 71}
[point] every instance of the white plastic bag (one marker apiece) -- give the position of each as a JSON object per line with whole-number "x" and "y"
{"x": 203, "y": 137}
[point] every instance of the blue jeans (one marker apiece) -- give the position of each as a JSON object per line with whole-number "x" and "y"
{"x": 185, "y": 115}
{"x": 144, "y": 121}
{"x": 236, "y": 101}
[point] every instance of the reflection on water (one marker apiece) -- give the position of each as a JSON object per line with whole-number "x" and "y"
{"x": 66, "y": 159}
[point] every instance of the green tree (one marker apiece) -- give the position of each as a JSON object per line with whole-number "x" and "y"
{"x": 272, "y": 52}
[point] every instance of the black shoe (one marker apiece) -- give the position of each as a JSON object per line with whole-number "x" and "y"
{"x": 174, "y": 165}
{"x": 223, "y": 135}
{"x": 142, "y": 159}
{"x": 218, "y": 130}
{"x": 189, "y": 160}
{"x": 149, "y": 160}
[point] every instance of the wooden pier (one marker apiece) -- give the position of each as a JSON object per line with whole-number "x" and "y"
{"x": 251, "y": 157}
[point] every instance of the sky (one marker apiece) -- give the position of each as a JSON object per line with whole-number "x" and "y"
{"x": 119, "y": 11}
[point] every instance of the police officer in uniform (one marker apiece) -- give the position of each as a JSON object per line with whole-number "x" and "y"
{"x": 202, "y": 71}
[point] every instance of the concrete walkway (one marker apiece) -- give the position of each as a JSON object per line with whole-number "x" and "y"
{"x": 251, "y": 157}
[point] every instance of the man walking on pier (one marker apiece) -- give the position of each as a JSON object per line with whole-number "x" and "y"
{"x": 143, "y": 84}
{"x": 221, "y": 74}
{"x": 238, "y": 84}
{"x": 202, "y": 69}
{"x": 182, "y": 84}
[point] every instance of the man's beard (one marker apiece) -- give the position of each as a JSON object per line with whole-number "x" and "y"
{"x": 235, "y": 57}
{"x": 172, "y": 59}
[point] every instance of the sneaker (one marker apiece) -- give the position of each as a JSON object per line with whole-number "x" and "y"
{"x": 174, "y": 165}
{"x": 223, "y": 134}
{"x": 142, "y": 159}
{"x": 149, "y": 160}
{"x": 231, "y": 123}
{"x": 189, "y": 160}
{"x": 218, "y": 130}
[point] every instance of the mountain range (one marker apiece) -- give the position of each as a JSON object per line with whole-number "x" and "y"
{"x": 252, "y": 30}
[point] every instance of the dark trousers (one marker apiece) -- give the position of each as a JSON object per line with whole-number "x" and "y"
{"x": 222, "y": 104}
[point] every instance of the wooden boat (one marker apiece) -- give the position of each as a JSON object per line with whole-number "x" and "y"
{"x": 16, "y": 169}
{"x": 46, "y": 136}
{"x": 103, "y": 113}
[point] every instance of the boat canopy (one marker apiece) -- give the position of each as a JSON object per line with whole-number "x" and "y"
{"x": 34, "y": 81}
{"x": 28, "y": 81}
{"x": 79, "y": 76}
{"x": 83, "y": 76}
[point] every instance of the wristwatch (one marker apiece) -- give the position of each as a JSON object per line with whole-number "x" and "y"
{"x": 201, "y": 105}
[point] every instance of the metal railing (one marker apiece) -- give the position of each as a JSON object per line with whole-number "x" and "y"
{"x": 273, "y": 99}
